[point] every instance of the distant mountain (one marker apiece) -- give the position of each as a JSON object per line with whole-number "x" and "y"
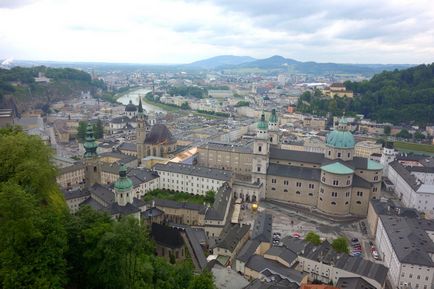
{"x": 278, "y": 62}
{"x": 222, "y": 60}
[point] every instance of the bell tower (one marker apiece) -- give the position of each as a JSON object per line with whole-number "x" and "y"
{"x": 273, "y": 128}
{"x": 141, "y": 132}
{"x": 92, "y": 166}
{"x": 123, "y": 188}
{"x": 261, "y": 148}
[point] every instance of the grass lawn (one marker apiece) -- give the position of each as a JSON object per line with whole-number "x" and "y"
{"x": 414, "y": 147}
{"x": 178, "y": 196}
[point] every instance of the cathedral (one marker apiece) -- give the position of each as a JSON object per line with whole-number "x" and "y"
{"x": 334, "y": 182}
{"x": 156, "y": 141}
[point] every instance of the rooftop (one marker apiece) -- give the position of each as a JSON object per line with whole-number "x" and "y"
{"x": 337, "y": 168}
{"x": 232, "y": 237}
{"x": 262, "y": 227}
{"x": 294, "y": 172}
{"x": 197, "y": 171}
{"x": 411, "y": 243}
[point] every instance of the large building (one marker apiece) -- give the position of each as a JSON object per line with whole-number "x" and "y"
{"x": 336, "y": 182}
{"x": 407, "y": 248}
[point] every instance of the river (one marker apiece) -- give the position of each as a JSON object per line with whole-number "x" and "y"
{"x": 134, "y": 97}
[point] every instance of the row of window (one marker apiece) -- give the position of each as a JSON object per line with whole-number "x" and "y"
{"x": 346, "y": 203}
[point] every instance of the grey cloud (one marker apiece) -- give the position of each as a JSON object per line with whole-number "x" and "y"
{"x": 377, "y": 19}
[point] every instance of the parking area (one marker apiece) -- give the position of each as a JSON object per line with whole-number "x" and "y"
{"x": 292, "y": 222}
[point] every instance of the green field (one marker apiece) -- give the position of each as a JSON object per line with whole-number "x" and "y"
{"x": 414, "y": 147}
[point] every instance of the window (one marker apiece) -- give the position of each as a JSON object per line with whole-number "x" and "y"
{"x": 333, "y": 203}
{"x": 320, "y": 199}
{"x": 347, "y": 194}
{"x": 273, "y": 181}
{"x": 374, "y": 189}
{"x": 273, "y": 189}
{"x": 330, "y": 152}
{"x": 322, "y": 191}
{"x": 286, "y": 182}
{"x": 375, "y": 178}
{"x": 298, "y": 192}
{"x": 418, "y": 276}
{"x": 348, "y": 182}
{"x": 298, "y": 184}
{"x": 335, "y": 183}
{"x": 285, "y": 190}
{"x": 323, "y": 179}
{"x": 339, "y": 155}
{"x": 346, "y": 203}
{"x": 334, "y": 194}
{"x": 311, "y": 186}
{"x": 260, "y": 148}
{"x": 349, "y": 155}
{"x": 358, "y": 202}
{"x": 310, "y": 194}
{"x": 360, "y": 194}
{"x": 258, "y": 169}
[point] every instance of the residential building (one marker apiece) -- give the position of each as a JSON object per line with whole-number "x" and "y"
{"x": 191, "y": 179}
{"x": 408, "y": 250}
{"x": 366, "y": 148}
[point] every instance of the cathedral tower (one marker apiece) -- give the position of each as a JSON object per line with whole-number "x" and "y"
{"x": 92, "y": 167}
{"x": 273, "y": 128}
{"x": 141, "y": 132}
{"x": 261, "y": 150}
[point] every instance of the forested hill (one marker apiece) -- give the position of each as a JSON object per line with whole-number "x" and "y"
{"x": 19, "y": 85}
{"x": 399, "y": 96}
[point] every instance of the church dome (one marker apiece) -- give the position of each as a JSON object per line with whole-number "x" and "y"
{"x": 340, "y": 139}
{"x": 160, "y": 134}
{"x": 124, "y": 183}
{"x": 130, "y": 107}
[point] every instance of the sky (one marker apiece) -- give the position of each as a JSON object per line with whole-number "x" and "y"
{"x": 183, "y": 31}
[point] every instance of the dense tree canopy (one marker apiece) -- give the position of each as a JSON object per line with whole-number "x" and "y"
{"x": 43, "y": 246}
{"x": 392, "y": 96}
{"x": 313, "y": 238}
{"x": 188, "y": 91}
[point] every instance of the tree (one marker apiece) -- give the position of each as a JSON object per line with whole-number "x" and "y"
{"x": 202, "y": 281}
{"x": 210, "y": 197}
{"x": 32, "y": 236}
{"x": 387, "y": 130}
{"x": 242, "y": 103}
{"x": 340, "y": 245}
{"x": 404, "y": 134}
{"x": 185, "y": 105}
{"x": 32, "y": 242}
{"x": 98, "y": 129}
{"x": 419, "y": 136}
{"x": 81, "y": 131}
{"x": 313, "y": 238}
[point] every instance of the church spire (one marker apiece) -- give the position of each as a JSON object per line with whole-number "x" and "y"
{"x": 90, "y": 145}
{"x": 140, "y": 105}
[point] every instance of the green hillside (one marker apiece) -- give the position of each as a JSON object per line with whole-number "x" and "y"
{"x": 19, "y": 84}
{"x": 399, "y": 96}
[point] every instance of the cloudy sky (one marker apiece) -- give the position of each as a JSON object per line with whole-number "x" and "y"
{"x": 181, "y": 31}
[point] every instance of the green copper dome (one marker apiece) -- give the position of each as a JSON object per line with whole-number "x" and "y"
{"x": 337, "y": 168}
{"x": 340, "y": 139}
{"x": 90, "y": 145}
{"x": 124, "y": 183}
{"x": 262, "y": 124}
{"x": 273, "y": 117}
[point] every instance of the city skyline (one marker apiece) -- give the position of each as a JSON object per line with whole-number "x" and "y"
{"x": 170, "y": 32}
